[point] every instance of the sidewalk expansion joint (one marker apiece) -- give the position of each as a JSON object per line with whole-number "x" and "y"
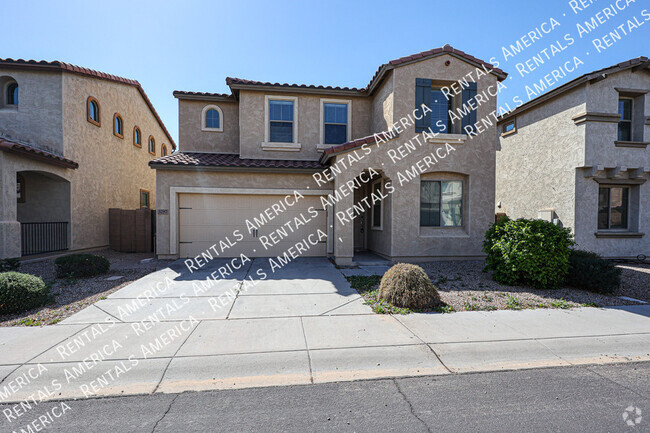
{"x": 104, "y": 311}
{"x": 304, "y": 335}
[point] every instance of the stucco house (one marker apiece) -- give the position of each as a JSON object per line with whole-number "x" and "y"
{"x": 578, "y": 155}
{"x": 285, "y": 169}
{"x": 74, "y": 142}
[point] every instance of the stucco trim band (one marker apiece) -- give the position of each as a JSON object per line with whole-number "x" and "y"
{"x": 632, "y": 144}
{"x": 593, "y": 116}
{"x": 621, "y": 235}
{"x": 174, "y": 191}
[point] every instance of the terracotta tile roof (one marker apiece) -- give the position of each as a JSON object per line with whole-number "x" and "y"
{"x": 67, "y": 67}
{"x": 639, "y": 62}
{"x": 230, "y": 81}
{"x": 447, "y": 49}
{"x": 353, "y": 144}
{"x": 27, "y": 151}
{"x": 204, "y": 159}
{"x": 182, "y": 93}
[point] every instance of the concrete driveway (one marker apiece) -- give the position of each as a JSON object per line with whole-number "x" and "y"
{"x": 176, "y": 330}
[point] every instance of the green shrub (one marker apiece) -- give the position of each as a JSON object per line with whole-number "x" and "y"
{"x": 7, "y": 265}
{"x": 589, "y": 271}
{"x": 408, "y": 286}
{"x": 81, "y": 265}
{"x": 21, "y": 292}
{"x": 533, "y": 252}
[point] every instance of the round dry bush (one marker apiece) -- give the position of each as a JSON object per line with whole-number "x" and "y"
{"x": 408, "y": 286}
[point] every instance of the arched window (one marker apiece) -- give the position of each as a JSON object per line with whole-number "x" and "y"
{"x": 118, "y": 126}
{"x": 163, "y": 150}
{"x": 212, "y": 118}
{"x": 152, "y": 145}
{"x": 137, "y": 137}
{"x": 12, "y": 94}
{"x": 93, "y": 109}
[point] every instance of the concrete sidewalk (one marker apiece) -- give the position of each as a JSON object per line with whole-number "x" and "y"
{"x": 302, "y": 324}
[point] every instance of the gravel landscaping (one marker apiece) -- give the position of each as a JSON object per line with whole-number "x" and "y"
{"x": 463, "y": 286}
{"x": 73, "y": 295}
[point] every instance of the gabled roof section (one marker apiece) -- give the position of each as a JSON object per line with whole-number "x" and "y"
{"x": 8, "y": 145}
{"x": 424, "y": 55}
{"x": 236, "y": 84}
{"x": 637, "y": 64}
{"x": 57, "y": 66}
{"x": 203, "y": 96}
{"x": 229, "y": 160}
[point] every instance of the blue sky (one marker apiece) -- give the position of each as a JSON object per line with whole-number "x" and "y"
{"x": 194, "y": 45}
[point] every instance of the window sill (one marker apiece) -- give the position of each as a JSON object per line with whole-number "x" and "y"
{"x": 212, "y": 129}
{"x": 633, "y": 144}
{"x": 283, "y": 147}
{"x": 377, "y": 229}
{"x": 618, "y": 235}
{"x": 448, "y": 138}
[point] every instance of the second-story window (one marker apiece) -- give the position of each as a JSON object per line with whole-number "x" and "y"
{"x": 335, "y": 122}
{"x": 212, "y": 118}
{"x": 163, "y": 150}
{"x": 281, "y": 121}
{"x": 12, "y": 94}
{"x": 440, "y": 107}
{"x": 93, "y": 111}
{"x": 118, "y": 126}
{"x": 625, "y": 124}
{"x": 137, "y": 137}
{"x": 152, "y": 146}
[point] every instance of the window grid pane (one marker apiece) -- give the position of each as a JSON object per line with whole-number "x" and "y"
{"x": 440, "y": 107}
{"x": 281, "y": 132}
{"x": 451, "y": 213}
{"x": 212, "y": 119}
{"x": 430, "y": 203}
{"x": 281, "y": 110}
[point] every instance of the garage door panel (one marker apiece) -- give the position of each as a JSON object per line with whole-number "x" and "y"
{"x": 206, "y": 219}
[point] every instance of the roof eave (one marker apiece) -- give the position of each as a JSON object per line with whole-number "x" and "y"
{"x": 296, "y": 89}
{"x": 199, "y": 97}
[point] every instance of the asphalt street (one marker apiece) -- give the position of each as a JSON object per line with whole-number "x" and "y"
{"x": 568, "y": 399}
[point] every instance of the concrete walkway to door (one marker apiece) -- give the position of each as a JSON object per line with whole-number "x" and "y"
{"x": 173, "y": 331}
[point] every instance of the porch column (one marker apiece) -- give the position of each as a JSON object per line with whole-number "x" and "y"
{"x": 343, "y": 231}
{"x": 9, "y": 226}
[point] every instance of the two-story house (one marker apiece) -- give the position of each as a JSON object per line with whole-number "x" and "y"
{"x": 285, "y": 169}
{"x": 578, "y": 155}
{"x": 73, "y": 143}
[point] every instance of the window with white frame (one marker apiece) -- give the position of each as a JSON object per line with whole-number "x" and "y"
{"x": 212, "y": 118}
{"x": 441, "y": 203}
{"x": 335, "y": 121}
{"x": 281, "y": 120}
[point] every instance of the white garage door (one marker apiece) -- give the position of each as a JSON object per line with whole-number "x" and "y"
{"x": 206, "y": 219}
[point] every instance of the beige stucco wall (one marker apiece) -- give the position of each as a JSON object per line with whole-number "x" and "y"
{"x": 540, "y": 166}
{"x": 111, "y": 170}
{"x": 37, "y": 118}
{"x": 382, "y": 105}
{"x": 536, "y": 166}
{"x": 193, "y": 138}
{"x": 472, "y": 161}
{"x": 252, "y": 126}
{"x": 166, "y": 179}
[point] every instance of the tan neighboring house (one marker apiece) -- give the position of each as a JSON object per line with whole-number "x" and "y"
{"x": 73, "y": 143}
{"x": 578, "y": 155}
{"x": 247, "y": 155}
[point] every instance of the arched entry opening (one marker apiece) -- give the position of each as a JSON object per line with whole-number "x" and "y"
{"x": 372, "y": 203}
{"x": 43, "y": 211}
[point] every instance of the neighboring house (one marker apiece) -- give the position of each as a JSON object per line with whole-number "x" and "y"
{"x": 578, "y": 155}
{"x": 244, "y": 152}
{"x": 73, "y": 143}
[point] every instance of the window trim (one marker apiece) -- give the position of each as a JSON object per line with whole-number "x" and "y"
{"x": 115, "y": 133}
{"x": 142, "y": 190}
{"x": 149, "y": 145}
{"x": 136, "y": 128}
{"x": 609, "y": 229}
{"x": 288, "y": 146}
{"x": 324, "y": 101}
{"x": 380, "y": 227}
{"x": 97, "y": 122}
{"x": 6, "y": 93}
{"x": 20, "y": 179}
{"x": 204, "y": 111}
{"x": 163, "y": 150}
{"x": 630, "y": 121}
{"x": 513, "y": 122}
{"x": 462, "y": 204}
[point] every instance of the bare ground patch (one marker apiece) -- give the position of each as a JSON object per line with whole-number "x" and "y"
{"x": 73, "y": 295}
